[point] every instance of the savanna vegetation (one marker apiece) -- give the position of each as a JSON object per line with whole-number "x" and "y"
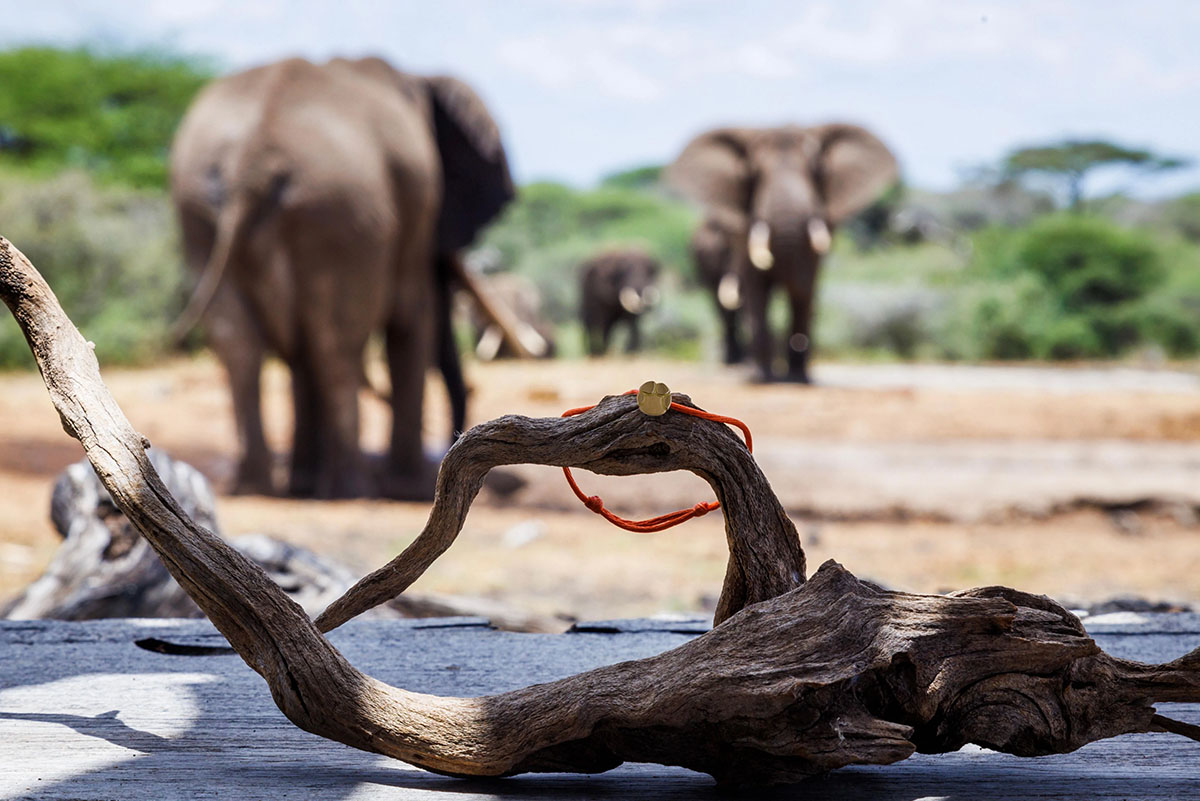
{"x": 1016, "y": 264}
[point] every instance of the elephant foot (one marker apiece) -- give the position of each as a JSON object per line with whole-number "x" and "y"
{"x": 253, "y": 478}
{"x": 410, "y": 484}
{"x": 302, "y": 484}
{"x": 331, "y": 485}
{"x": 345, "y": 483}
{"x": 503, "y": 483}
{"x": 797, "y": 377}
{"x": 734, "y": 356}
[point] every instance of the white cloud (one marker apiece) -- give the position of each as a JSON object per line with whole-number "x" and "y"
{"x": 602, "y": 61}
{"x": 759, "y": 60}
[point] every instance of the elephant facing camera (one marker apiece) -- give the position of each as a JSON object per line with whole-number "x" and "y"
{"x": 772, "y": 200}
{"x": 617, "y": 287}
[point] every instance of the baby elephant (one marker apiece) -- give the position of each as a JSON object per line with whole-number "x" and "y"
{"x": 616, "y": 286}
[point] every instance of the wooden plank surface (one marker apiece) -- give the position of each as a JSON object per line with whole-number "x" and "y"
{"x": 85, "y": 714}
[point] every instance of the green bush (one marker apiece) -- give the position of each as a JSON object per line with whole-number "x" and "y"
{"x": 1073, "y": 287}
{"x": 1088, "y": 262}
{"x": 1183, "y": 215}
{"x": 110, "y": 114}
{"x": 109, "y": 254}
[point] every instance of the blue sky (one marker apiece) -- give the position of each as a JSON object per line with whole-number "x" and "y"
{"x": 585, "y": 87}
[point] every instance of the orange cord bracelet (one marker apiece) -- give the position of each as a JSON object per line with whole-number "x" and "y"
{"x": 670, "y": 519}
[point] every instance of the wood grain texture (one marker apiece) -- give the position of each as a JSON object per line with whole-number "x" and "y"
{"x": 85, "y": 714}
{"x": 798, "y": 678}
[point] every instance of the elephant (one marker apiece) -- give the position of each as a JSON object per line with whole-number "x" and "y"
{"x": 616, "y": 286}
{"x": 523, "y": 300}
{"x": 773, "y": 198}
{"x": 321, "y": 204}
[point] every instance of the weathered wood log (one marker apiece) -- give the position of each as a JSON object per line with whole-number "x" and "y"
{"x": 104, "y": 568}
{"x": 798, "y": 679}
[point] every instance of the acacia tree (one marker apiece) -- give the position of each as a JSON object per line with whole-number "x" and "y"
{"x": 1070, "y": 161}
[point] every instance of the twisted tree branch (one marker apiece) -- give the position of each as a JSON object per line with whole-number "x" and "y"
{"x": 805, "y": 678}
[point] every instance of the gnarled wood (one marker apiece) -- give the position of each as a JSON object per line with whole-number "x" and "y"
{"x": 805, "y": 678}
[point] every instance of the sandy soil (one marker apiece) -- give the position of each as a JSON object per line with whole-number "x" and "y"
{"x": 1074, "y": 483}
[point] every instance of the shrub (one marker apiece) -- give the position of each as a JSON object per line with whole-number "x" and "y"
{"x": 1089, "y": 262}
{"x": 111, "y": 114}
{"x": 1072, "y": 287}
{"x": 109, "y": 253}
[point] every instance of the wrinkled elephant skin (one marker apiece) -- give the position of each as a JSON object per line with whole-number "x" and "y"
{"x": 320, "y": 205}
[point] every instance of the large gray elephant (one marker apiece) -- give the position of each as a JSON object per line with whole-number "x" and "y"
{"x": 773, "y": 197}
{"x": 320, "y": 204}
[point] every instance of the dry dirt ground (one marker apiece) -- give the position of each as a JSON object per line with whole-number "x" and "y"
{"x": 1077, "y": 483}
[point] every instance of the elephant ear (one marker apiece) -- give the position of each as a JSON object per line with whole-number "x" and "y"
{"x": 855, "y": 168}
{"x": 714, "y": 169}
{"x": 476, "y": 180}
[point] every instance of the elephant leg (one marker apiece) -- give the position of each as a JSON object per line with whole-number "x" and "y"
{"x": 235, "y": 340}
{"x": 799, "y": 343}
{"x": 757, "y": 296}
{"x": 735, "y": 351}
{"x": 606, "y": 330}
{"x": 335, "y": 369}
{"x": 595, "y": 339}
{"x": 410, "y": 475}
{"x": 306, "y": 433}
{"x": 593, "y": 333}
{"x": 635, "y": 336}
{"x": 449, "y": 362}
{"x": 326, "y": 355}
{"x": 237, "y": 343}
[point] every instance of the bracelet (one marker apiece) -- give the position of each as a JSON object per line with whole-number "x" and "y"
{"x": 654, "y": 399}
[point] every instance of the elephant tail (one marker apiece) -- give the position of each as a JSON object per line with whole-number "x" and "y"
{"x": 231, "y": 226}
{"x": 243, "y": 211}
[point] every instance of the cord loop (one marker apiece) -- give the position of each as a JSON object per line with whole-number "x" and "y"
{"x": 662, "y": 522}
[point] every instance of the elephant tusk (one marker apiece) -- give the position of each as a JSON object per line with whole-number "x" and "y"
{"x": 729, "y": 292}
{"x": 759, "y": 245}
{"x": 630, "y": 300}
{"x": 819, "y": 235}
{"x": 489, "y": 343}
{"x": 534, "y": 342}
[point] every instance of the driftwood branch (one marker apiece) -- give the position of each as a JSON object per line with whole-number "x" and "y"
{"x": 805, "y": 678}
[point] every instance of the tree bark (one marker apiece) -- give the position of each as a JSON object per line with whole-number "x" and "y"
{"x": 796, "y": 679}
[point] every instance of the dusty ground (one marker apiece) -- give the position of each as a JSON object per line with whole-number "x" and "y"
{"x": 1075, "y": 483}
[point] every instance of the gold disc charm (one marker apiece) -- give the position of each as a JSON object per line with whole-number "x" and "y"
{"x": 654, "y": 399}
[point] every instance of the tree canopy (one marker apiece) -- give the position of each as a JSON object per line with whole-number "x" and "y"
{"x": 111, "y": 114}
{"x": 1071, "y": 160}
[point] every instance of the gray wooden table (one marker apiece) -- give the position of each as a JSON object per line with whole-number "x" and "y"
{"x": 86, "y": 714}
